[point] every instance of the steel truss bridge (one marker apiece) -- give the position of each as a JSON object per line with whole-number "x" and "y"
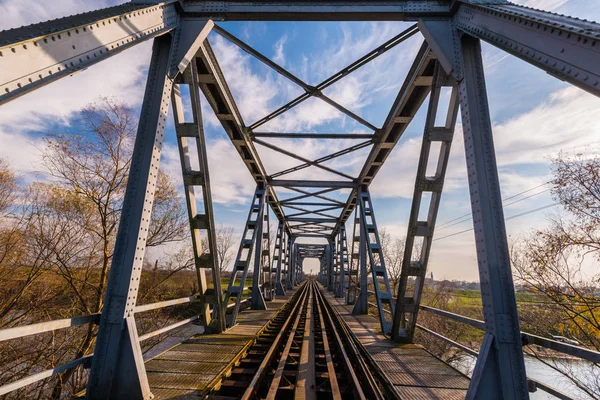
{"x": 449, "y": 59}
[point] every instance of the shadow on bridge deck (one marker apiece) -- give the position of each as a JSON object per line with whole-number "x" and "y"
{"x": 415, "y": 373}
{"x": 188, "y": 370}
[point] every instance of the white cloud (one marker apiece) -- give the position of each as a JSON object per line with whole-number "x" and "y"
{"x": 16, "y": 13}
{"x": 279, "y": 56}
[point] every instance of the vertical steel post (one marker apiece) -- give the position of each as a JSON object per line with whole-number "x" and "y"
{"x": 328, "y": 256}
{"x": 257, "y": 301}
{"x": 279, "y": 254}
{"x": 295, "y": 261}
{"x": 250, "y": 237}
{"x": 361, "y": 306}
{"x": 268, "y": 288}
{"x": 289, "y": 262}
{"x": 117, "y": 366}
{"x": 500, "y": 369}
{"x": 413, "y": 273}
{"x": 354, "y": 267}
{"x": 336, "y": 273}
{"x": 342, "y": 262}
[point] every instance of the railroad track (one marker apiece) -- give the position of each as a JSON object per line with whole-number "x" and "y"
{"x": 306, "y": 352}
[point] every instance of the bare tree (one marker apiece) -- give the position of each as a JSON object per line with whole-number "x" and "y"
{"x": 226, "y": 239}
{"x": 550, "y": 262}
{"x": 90, "y": 173}
{"x": 393, "y": 252}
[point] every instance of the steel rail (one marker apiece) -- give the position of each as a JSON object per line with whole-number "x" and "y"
{"x": 262, "y": 369}
{"x": 283, "y": 361}
{"x": 349, "y": 368}
{"x": 305, "y": 381}
{"x": 333, "y": 382}
{"x": 365, "y": 361}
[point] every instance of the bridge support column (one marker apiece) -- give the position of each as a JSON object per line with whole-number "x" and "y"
{"x": 257, "y": 300}
{"x": 117, "y": 366}
{"x": 500, "y": 369}
{"x": 279, "y": 254}
{"x": 267, "y": 282}
{"x": 361, "y": 305}
{"x": 288, "y": 263}
{"x": 329, "y": 266}
{"x": 342, "y": 258}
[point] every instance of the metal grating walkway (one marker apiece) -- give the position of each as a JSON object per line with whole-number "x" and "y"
{"x": 188, "y": 370}
{"x": 415, "y": 373}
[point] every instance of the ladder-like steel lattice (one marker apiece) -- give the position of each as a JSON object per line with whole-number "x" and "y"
{"x": 437, "y": 130}
{"x": 196, "y": 179}
{"x": 252, "y": 232}
{"x": 376, "y": 261}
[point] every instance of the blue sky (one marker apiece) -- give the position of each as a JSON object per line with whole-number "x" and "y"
{"x": 534, "y": 116}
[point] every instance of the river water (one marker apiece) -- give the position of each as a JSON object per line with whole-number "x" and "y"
{"x": 543, "y": 373}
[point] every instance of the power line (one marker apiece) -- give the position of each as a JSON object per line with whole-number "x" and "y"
{"x": 466, "y": 217}
{"x": 506, "y": 219}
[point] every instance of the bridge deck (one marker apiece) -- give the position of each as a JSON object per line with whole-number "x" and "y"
{"x": 415, "y": 373}
{"x": 188, "y": 369}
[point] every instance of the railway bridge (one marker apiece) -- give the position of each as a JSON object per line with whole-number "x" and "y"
{"x": 345, "y": 333}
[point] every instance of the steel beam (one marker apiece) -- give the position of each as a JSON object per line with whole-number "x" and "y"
{"x": 500, "y": 369}
{"x": 36, "y": 55}
{"x": 349, "y": 10}
{"x": 563, "y": 46}
{"x": 314, "y": 184}
{"x": 277, "y": 135}
{"x": 307, "y": 162}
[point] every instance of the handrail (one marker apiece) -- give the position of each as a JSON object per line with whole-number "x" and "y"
{"x": 532, "y": 382}
{"x": 168, "y": 328}
{"x": 42, "y": 375}
{"x": 528, "y": 338}
{"x": 48, "y": 326}
{"x": 163, "y": 304}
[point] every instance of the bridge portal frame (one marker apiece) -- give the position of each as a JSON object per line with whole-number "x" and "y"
{"x": 33, "y": 56}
